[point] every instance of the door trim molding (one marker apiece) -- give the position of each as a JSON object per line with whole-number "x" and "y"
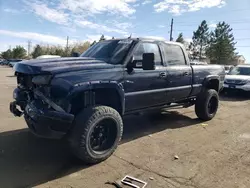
{"x": 161, "y": 90}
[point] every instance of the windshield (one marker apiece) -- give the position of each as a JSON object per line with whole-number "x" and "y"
{"x": 111, "y": 51}
{"x": 240, "y": 71}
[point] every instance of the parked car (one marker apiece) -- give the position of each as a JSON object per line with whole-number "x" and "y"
{"x": 197, "y": 63}
{"x": 238, "y": 78}
{"x": 4, "y": 62}
{"x": 1, "y": 61}
{"x": 12, "y": 62}
{"x": 84, "y": 98}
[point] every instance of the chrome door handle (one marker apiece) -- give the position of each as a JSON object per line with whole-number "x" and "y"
{"x": 185, "y": 74}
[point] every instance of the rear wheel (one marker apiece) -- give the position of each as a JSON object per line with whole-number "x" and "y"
{"x": 207, "y": 104}
{"x": 96, "y": 134}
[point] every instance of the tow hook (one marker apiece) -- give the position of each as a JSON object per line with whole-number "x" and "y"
{"x": 14, "y": 109}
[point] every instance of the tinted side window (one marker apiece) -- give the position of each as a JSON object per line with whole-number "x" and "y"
{"x": 148, "y": 48}
{"x": 138, "y": 52}
{"x": 174, "y": 55}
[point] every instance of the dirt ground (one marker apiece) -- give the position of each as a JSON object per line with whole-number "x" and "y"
{"x": 215, "y": 155}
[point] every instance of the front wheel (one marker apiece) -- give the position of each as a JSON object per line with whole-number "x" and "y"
{"x": 96, "y": 133}
{"x": 206, "y": 105}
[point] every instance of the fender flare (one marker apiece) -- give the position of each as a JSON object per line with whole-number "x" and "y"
{"x": 206, "y": 80}
{"x": 90, "y": 86}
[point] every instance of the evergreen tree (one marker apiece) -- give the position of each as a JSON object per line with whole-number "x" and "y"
{"x": 60, "y": 51}
{"x": 38, "y": 51}
{"x": 19, "y": 52}
{"x": 7, "y": 54}
{"x": 201, "y": 39}
{"x": 180, "y": 38}
{"x": 222, "y": 47}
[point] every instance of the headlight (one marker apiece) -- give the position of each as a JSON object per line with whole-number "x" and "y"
{"x": 42, "y": 79}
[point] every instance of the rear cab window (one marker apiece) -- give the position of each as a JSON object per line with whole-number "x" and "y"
{"x": 173, "y": 55}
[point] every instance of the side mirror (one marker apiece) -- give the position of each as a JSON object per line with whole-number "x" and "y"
{"x": 148, "y": 61}
{"x": 75, "y": 54}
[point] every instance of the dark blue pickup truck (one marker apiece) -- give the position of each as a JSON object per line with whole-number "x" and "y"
{"x": 84, "y": 98}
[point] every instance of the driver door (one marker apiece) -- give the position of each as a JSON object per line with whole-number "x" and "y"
{"x": 145, "y": 88}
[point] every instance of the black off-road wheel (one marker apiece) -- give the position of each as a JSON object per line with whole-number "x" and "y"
{"x": 96, "y": 134}
{"x": 207, "y": 104}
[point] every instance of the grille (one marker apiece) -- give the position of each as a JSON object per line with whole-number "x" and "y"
{"x": 235, "y": 82}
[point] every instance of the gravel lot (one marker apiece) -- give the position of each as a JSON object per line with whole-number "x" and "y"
{"x": 215, "y": 155}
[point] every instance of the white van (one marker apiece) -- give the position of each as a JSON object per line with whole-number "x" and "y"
{"x": 48, "y": 56}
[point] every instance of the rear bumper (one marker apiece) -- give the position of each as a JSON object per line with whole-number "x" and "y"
{"x": 44, "y": 122}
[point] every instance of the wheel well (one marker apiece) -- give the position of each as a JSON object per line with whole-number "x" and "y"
{"x": 108, "y": 97}
{"x": 213, "y": 84}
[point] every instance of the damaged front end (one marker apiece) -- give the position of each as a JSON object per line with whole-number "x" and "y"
{"x": 45, "y": 115}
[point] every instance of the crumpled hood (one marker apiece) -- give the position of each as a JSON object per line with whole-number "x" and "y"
{"x": 60, "y": 65}
{"x": 237, "y": 77}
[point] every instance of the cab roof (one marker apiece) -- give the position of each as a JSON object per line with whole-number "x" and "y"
{"x": 149, "y": 40}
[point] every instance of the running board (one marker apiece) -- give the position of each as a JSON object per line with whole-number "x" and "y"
{"x": 164, "y": 107}
{"x": 178, "y": 106}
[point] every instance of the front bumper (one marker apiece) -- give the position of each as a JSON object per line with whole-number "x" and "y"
{"x": 43, "y": 122}
{"x": 245, "y": 87}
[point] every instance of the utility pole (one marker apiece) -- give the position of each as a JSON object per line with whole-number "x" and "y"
{"x": 67, "y": 46}
{"x": 171, "y": 31}
{"x": 29, "y": 47}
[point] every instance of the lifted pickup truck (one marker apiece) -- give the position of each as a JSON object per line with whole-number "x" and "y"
{"x": 84, "y": 98}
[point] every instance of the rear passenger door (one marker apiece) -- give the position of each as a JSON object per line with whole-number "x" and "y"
{"x": 179, "y": 73}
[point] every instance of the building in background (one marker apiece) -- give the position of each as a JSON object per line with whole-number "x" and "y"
{"x": 239, "y": 60}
